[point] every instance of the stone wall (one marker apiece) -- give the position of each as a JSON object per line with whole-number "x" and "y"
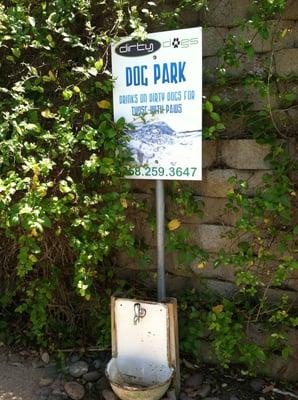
{"x": 222, "y": 20}
{"x": 242, "y": 158}
{"x": 234, "y": 156}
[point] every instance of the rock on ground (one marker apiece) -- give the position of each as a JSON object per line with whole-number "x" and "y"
{"x": 74, "y": 390}
{"x": 78, "y": 369}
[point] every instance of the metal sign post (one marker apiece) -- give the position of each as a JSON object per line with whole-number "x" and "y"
{"x": 160, "y": 219}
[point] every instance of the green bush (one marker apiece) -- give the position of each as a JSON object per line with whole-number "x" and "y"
{"x": 63, "y": 199}
{"x": 62, "y": 158}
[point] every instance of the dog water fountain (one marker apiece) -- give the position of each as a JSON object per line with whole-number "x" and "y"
{"x": 145, "y": 354}
{"x": 160, "y": 97}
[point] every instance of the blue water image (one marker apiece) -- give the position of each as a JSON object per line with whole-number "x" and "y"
{"x": 156, "y": 143}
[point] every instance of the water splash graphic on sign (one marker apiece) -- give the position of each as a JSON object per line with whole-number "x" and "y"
{"x": 156, "y": 143}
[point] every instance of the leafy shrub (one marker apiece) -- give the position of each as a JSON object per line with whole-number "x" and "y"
{"x": 63, "y": 202}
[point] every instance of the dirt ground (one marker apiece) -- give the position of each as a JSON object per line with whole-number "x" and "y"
{"x": 18, "y": 381}
{"x": 23, "y": 375}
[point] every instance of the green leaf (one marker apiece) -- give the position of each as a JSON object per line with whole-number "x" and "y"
{"x": 286, "y": 351}
{"x": 215, "y": 99}
{"x": 220, "y": 127}
{"x": 37, "y": 88}
{"x": 47, "y": 114}
{"x": 208, "y": 106}
{"x": 67, "y": 94}
{"x": 32, "y": 127}
{"x": 250, "y": 52}
{"x": 99, "y": 64}
{"x": 86, "y": 117}
{"x": 215, "y": 116}
{"x": 290, "y": 97}
{"x": 16, "y": 52}
{"x": 232, "y": 180}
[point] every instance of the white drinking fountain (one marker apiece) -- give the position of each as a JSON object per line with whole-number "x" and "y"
{"x": 144, "y": 352}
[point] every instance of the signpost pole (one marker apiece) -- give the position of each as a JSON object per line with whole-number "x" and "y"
{"x": 160, "y": 219}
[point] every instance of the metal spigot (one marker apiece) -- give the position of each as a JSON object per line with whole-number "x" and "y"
{"x": 139, "y": 313}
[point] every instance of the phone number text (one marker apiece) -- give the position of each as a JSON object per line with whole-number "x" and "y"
{"x": 161, "y": 171}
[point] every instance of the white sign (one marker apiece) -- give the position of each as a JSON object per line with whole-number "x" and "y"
{"x": 158, "y": 89}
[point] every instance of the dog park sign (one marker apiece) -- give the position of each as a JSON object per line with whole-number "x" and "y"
{"x": 158, "y": 90}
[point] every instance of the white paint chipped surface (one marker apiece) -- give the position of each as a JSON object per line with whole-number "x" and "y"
{"x": 142, "y": 348}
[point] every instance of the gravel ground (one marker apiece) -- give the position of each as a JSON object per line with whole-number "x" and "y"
{"x": 18, "y": 380}
{"x": 31, "y": 375}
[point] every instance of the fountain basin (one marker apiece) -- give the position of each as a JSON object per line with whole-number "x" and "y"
{"x": 132, "y": 380}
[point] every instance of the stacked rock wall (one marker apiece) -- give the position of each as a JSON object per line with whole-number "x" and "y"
{"x": 241, "y": 158}
{"x": 233, "y": 154}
